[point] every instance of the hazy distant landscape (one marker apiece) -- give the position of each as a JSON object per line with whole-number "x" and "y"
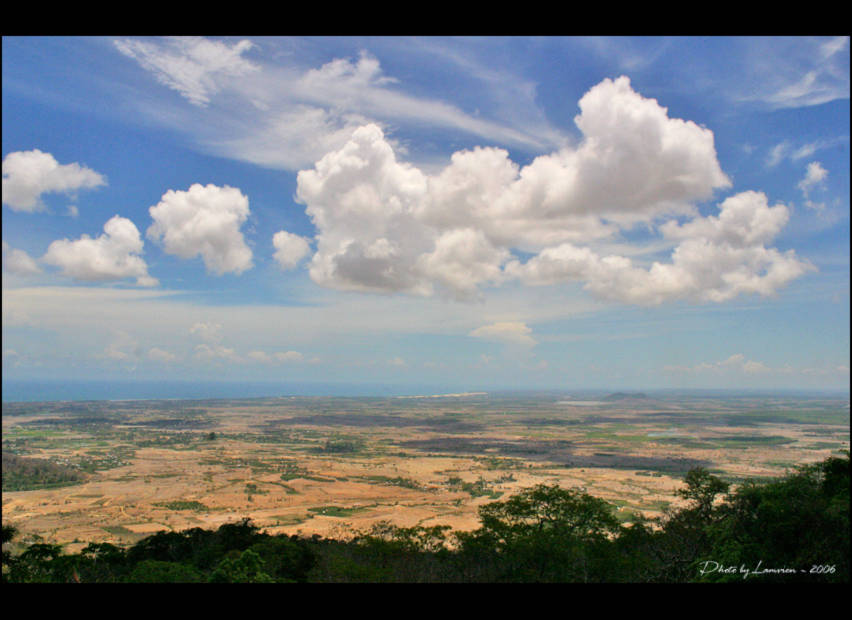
{"x": 76, "y": 472}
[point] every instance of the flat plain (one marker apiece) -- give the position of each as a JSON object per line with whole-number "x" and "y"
{"x": 122, "y": 470}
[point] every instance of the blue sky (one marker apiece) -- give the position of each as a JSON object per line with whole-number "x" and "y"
{"x": 463, "y": 213}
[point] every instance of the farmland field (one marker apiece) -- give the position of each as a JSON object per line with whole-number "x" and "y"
{"x": 117, "y": 471}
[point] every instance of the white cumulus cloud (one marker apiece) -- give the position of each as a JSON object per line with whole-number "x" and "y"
{"x": 732, "y": 365}
{"x": 114, "y": 255}
{"x": 718, "y": 258}
{"x": 156, "y": 354}
{"x": 289, "y": 249}
{"x": 18, "y": 262}
{"x": 208, "y": 332}
{"x": 29, "y": 174}
{"x": 216, "y": 352}
{"x": 275, "y": 358}
{"x": 386, "y": 226}
{"x": 204, "y": 221}
{"x": 507, "y": 332}
{"x": 814, "y": 176}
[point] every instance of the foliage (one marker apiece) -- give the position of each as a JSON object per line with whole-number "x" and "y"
{"x": 341, "y": 446}
{"x": 799, "y": 522}
{"x": 181, "y": 504}
{"x": 480, "y": 488}
{"x": 22, "y": 473}
{"x": 545, "y": 533}
{"x": 702, "y": 488}
{"x": 247, "y": 567}
{"x": 155, "y": 571}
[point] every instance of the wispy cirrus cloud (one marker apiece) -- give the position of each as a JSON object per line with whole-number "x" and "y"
{"x": 193, "y": 66}
{"x": 278, "y": 114}
{"x": 794, "y": 72}
{"x": 787, "y": 151}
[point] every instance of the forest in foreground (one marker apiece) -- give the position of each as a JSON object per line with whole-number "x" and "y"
{"x": 791, "y": 529}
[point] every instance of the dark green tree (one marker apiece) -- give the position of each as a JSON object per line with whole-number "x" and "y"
{"x": 285, "y": 558}
{"x": 102, "y": 563}
{"x": 685, "y": 537}
{"x": 156, "y": 571}
{"x": 545, "y": 533}
{"x": 8, "y": 533}
{"x": 246, "y": 567}
{"x": 799, "y": 522}
{"x": 702, "y": 488}
{"x": 43, "y": 563}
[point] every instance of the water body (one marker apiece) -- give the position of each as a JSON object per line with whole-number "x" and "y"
{"x": 34, "y": 391}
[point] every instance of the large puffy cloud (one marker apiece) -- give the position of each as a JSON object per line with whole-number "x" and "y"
{"x": 29, "y": 174}
{"x": 361, "y": 199}
{"x": 463, "y": 259}
{"x": 635, "y": 159}
{"x": 373, "y": 233}
{"x": 745, "y": 219}
{"x": 634, "y": 163}
{"x": 386, "y": 226}
{"x": 204, "y": 221}
{"x": 114, "y": 255}
{"x": 718, "y": 258}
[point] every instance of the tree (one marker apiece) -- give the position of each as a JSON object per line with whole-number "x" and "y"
{"x": 237, "y": 536}
{"x": 102, "y": 563}
{"x": 285, "y": 559}
{"x": 685, "y": 540}
{"x": 247, "y": 567}
{"x": 156, "y": 571}
{"x": 553, "y": 509}
{"x": 798, "y": 522}
{"x": 702, "y": 488}
{"x": 545, "y": 533}
{"x": 41, "y": 563}
{"x": 8, "y": 533}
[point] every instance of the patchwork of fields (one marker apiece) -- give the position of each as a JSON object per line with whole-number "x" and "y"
{"x": 117, "y": 471}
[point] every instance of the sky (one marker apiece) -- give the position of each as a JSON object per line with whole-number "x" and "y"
{"x": 462, "y": 213}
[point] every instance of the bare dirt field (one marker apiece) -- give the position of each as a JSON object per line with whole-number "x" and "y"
{"x": 333, "y": 466}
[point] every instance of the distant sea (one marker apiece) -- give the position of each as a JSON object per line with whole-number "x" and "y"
{"x": 32, "y": 391}
{"x": 53, "y": 390}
